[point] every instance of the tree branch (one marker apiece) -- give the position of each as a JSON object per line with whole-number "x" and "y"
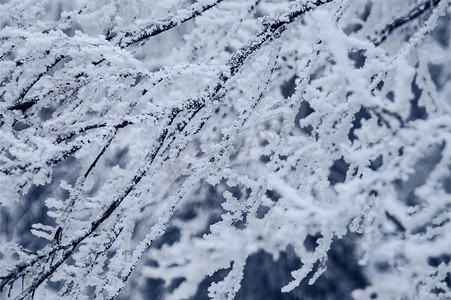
{"x": 416, "y": 12}
{"x": 271, "y": 30}
{"x": 26, "y": 105}
{"x": 130, "y": 36}
{"x": 124, "y": 39}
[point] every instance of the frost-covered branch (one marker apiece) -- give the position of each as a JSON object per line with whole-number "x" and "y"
{"x": 414, "y": 13}
{"x": 260, "y": 133}
{"x": 272, "y": 29}
{"x": 144, "y": 29}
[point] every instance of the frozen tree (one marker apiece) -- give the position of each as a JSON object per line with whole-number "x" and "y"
{"x": 172, "y": 141}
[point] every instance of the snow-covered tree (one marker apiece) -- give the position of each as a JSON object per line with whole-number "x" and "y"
{"x": 172, "y": 142}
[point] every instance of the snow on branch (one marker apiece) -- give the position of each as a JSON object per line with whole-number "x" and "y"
{"x": 143, "y": 29}
{"x": 295, "y": 133}
{"x": 414, "y": 13}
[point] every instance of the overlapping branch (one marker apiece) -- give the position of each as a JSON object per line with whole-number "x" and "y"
{"x": 271, "y": 30}
{"x": 124, "y": 38}
{"x": 174, "y": 127}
